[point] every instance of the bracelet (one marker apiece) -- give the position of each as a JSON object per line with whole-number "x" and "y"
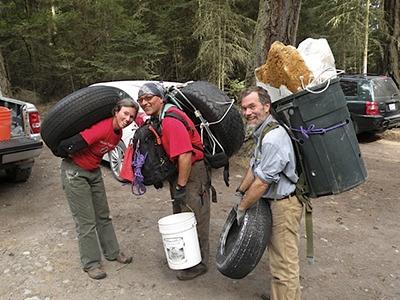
{"x": 179, "y": 187}
{"x": 239, "y": 191}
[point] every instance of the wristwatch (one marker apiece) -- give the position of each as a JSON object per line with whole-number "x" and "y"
{"x": 179, "y": 187}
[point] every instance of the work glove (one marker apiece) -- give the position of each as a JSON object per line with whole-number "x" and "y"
{"x": 238, "y": 197}
{"x": 239, "y": 216}
{"x": 60, "y": 152}
{"x": 180, "y": 195}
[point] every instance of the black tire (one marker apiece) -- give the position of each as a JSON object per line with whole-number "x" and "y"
{"x": 18, "y": 174}
{"x": 241, "y": 248}
{"x": 213, "y": 103}
{"x": 76, "y": 112}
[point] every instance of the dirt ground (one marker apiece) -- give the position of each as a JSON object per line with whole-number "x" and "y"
{"x": 356, "y": 240}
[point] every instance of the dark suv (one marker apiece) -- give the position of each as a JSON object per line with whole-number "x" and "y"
{"x": 373, "y": 102}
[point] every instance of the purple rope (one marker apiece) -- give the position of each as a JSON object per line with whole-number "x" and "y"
{"x": 138, "y": 188}
{"x": 312, "y": 130}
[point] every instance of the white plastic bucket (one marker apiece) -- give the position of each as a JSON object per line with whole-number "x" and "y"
{"x": 181, "y": 244}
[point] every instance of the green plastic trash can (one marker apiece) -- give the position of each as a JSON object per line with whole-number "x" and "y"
{"x": 321, "y": 125}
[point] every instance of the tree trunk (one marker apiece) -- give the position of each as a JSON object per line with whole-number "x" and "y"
{"x": 392, "y": 56}
{"x": 277, "y": 21}
{"x": 366, "y": 36}
{"x": 5, "y": 87}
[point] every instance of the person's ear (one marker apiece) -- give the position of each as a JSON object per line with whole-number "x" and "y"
{"x": 267, "y": 107}
{"x": 159, "y": 99}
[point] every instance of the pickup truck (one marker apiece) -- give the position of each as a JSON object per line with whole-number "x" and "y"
{"x": 17, "y": 154}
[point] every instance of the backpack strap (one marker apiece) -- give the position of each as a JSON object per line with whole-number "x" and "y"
{"x": 302, "y": 193}
{"x": 165, "y": 109}
{"x": 306, "y": 201}
{"x": 270, "y": 125}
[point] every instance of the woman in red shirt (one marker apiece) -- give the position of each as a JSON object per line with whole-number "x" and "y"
{"x": 83, "y": 185}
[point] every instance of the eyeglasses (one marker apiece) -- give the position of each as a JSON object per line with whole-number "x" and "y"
{"x": 146, "y": 98}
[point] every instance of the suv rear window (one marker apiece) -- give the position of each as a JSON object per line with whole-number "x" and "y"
{"x": 349, "y": 88}
{"x": 383, "y": 87}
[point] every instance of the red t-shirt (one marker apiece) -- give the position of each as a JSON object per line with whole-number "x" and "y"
{"x": 101, "y": 139}
{"x": 177, "y": 139}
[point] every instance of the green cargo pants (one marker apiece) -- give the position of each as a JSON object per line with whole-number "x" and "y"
{"x": 87, "y": 200}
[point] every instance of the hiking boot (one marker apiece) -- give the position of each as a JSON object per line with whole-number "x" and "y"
{"x": 96, "y": 273}
{"x": 265, "y": 296}
{"x": 123, "y": 259}
{"x": 192, "y": 272}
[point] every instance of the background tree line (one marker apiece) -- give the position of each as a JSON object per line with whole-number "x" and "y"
{"x": 54, "y": 47}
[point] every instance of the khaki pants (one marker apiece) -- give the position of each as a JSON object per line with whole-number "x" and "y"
{"x": 87, "y": 201}
{"x": 283, "y": 250}
{"x": 198, "y": 201}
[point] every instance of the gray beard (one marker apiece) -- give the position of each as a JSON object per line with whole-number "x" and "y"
{"x": 251, "y": 128}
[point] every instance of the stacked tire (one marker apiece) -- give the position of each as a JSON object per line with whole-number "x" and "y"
{"x": 76, "y": 112}
{"x": 87, "y": 106}
{"x": 225, "y": 121}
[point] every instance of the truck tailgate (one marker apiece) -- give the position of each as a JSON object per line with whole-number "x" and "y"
{"x": 18, "y": 149}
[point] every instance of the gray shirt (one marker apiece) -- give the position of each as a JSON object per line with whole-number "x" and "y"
{"x": 276, "y": 163}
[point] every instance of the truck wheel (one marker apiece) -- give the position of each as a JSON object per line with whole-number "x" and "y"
{"x": 18, "y": 174}
{"x": 77, "y": 111}
{"x": 116, "y": 158}
{"x": 214, "y": 104}
{"x": 241, "y": 248}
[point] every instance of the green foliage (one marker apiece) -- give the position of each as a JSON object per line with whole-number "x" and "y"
{"x": 342, "y": 23}
{"x": 223, "y": 46}
{"x": 234, "y": 88}
{"x": 58, "y": 49}
{"x": 106, "y": 42}
{"x": 54, "y": 47}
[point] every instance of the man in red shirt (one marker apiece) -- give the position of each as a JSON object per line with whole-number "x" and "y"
{"x": 190, "y": 188}
{"x": 83, "y": 185}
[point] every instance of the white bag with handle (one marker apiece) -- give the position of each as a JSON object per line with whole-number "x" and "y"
{"x": 319, "y": 59}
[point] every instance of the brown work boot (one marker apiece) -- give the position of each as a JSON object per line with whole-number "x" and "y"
{"x": 192, "y": 272}
{"x": 123, "y": 259}
{"x": 96, "y": 273}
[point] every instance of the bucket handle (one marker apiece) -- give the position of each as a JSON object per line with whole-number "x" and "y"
{"x": 172, "y": 200}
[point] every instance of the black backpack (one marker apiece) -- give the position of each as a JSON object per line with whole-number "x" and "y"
{"x": 150, "y": 162}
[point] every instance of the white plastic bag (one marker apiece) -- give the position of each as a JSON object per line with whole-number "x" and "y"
{"x": 319, "y": 59}
{"x": 274, "y": 93}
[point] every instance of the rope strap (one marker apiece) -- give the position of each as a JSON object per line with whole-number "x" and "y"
{"x": 138, "y": 188}
{"x": 306, "y": 132}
